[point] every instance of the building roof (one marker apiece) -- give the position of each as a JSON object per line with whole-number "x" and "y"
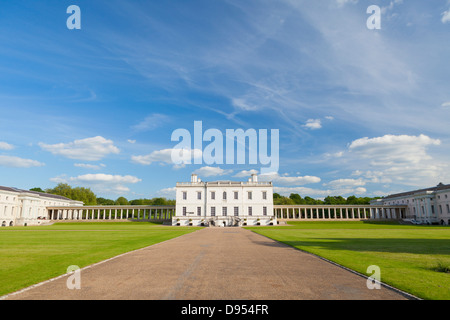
{"x": 439, "y": 187}
{"x": 41, "y": 194}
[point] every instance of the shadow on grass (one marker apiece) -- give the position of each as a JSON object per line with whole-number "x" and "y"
{"x": 412, "y": 246}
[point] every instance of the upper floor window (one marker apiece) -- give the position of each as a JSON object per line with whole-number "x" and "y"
{"x": 249, "y": 195}
{"x": 213, "y": 195}
{"x": 236, "y": 195}
{"x": 264, "y": 195}
{"x": 184, "y": 195}
{"x": 224, "y": 197}
{"x": 199, "y": 195}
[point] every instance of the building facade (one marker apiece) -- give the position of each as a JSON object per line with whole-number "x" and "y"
{"x": 427, "y": 206}
{"x": 22, "y": 207}
{"x": 224, "y": 203}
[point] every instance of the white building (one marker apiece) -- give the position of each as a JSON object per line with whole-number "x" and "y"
{"x": 22, "y": 207}
{"x": 224, "y": 203}
{"x": 431, "y": 205}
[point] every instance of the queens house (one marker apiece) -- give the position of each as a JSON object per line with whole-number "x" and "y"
{"x": 224, "y": 203}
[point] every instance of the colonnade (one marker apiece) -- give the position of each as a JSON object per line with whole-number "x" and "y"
{"x": 338, "y": 212}
{"x": 111, "y": 213}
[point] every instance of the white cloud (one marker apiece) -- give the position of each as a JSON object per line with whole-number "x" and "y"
{"x": 16, "y": 162}
{"x": 400, "y": 159}
{"x": 101, "y": 182}
{"x": 169, "y": 193}
{"x": 339, "y": 183}
{"x": 286, "y": 180}
{"x": 89, "y": 166}
{"x": 245, "y": 173}
{"x": 212, "y": 171}
{"x": 392, "y": 149}
{"x": 89, "y": 149}
{"x": 131, "y": 141}
{"x": 165, "y": 156}
{"x": 313, "y": 124}
{"x": 446, "y": 16}
{"x": 6, "y": 146}
{"x": 446, "y": 105}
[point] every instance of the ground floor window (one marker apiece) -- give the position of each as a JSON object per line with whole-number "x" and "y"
{"x": 250, "y": 211}
{"x": 213, "y": 211}
{"x": 224, "y": 211}
{"x": 199, "y": 211}
{"x": 236, "y": 211}
{"x": 264, "y": 211}
{"x": 184, "y": 211}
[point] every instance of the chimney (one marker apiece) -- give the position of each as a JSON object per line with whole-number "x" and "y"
{"x": 254, "y": 178}
{"x": 194, "y": 178}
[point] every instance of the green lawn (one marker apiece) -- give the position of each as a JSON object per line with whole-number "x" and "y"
{"x": 29, "y": 255}
{"x": 411, "y": 258}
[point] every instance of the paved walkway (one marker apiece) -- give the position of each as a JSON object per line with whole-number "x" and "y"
{"x": 213, "y": 264}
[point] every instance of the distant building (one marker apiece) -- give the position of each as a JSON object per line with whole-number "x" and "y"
{"x": 23, "y": 207}
{"x": 431, "y": 205}
{"x": 224, "y": 203}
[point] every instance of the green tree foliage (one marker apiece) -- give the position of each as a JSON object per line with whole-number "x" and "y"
{"x": 121, "y": 201}
{"x": 79, "y": 193}
{"x": 37, "y": 190}
{"x": 295, "y": 198}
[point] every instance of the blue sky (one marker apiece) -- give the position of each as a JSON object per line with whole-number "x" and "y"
{"x": 359, "y": 111}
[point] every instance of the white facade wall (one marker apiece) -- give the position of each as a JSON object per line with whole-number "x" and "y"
{"x": 426, "y": 206}
{"x": 224, "y": 203}
{"x": 19, "y": 207}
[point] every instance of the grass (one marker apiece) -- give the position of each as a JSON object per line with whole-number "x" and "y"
{"x": 414, "y": 259}
{"x": 29, "y": 255}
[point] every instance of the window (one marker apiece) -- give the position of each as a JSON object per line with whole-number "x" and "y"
{"x": 224, "y": 211}
{"x": 184, "y": 211}
{"x": 249, "y": 195}
{"x": 213, "y": 211}
{"x": 440, "y": 209}
{"x": 432, "y": 209}
{"x": 264, "y": 194}
{"x": 184, "y": 195}
{"x": 264, "y": 211}
{"x": 250, "y": 211}
{"x": 199, "y": 211}
{"x": 448, "y": 209}
{"x": 213, "y": 195}
{"x": 199, "y": 195}
{"x": 236, "y": 195}
{"x": 224, "y": 195}
{"x": 236, "y": 211}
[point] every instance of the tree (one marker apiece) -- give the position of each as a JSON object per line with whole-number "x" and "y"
{"x": 105, "y": 202}
{"x": 37, "y": 190}
{"x": 79, "y": 193}
{"x": 121, "y": 201}
{"x": 296, "y": 198}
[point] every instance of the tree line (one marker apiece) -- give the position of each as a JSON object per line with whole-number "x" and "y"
{"x": 89, "y": 198}
{"x": 295, "y": 198}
